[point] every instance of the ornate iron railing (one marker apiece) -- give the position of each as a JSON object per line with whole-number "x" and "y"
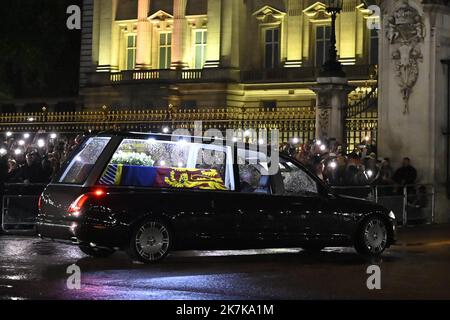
{"x": 359, "y": 131}
{"x": 361, "y": 120}
{"x": 292, "y": 122}
{"x": 367, "y": 102}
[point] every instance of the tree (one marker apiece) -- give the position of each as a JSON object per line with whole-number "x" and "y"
{"x": 39, "y": 56}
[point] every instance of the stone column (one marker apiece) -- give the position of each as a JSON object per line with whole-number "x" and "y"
{"x": 230, "y": 33}
{"x": 294, "y": 34}
{"x": 346, "y": 35}
{"x": 115, "y": 39}
{"x": 214, "y": 30}
{"x": 143, "y": 45}
{"x": 332, "y": 100}
{"x": 226, "y": 34}
{"x": 178, "y": 34}
{"x": 89, "y": 41}
{"x": 105, "y": 35}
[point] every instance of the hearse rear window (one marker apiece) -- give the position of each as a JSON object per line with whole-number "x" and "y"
{"x": 165, "y": 164}
{"x": 82, "y": 163}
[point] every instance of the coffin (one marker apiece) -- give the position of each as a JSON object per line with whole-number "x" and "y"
{"x": 157, "y": 177}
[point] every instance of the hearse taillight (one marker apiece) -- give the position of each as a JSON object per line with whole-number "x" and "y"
{"x": 76, "y": 206}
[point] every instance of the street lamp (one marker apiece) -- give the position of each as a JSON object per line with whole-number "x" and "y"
{"x": 332, "y": 67}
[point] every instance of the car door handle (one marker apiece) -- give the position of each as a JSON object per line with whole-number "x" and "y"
{"x": 297, "y": 204}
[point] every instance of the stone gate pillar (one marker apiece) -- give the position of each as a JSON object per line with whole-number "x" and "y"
{"x": 414, "y": 38}
{"x": 332, "y": 100}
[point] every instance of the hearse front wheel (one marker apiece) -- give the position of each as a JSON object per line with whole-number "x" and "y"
{"x": 150, "y": 241}
{"x": 372, "y": 237}
{"x": 96, "y": 252}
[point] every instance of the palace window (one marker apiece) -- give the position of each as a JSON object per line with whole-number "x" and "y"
{"x": 165, "y": 50}
{"x": 131, "y": 52}
{"x": 323, "y": 37}
{"x": 272, "y": 48}
{"x": 373, "y": 54}
{"x": 201, "y": 38}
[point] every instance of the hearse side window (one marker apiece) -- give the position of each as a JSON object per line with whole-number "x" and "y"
{"x": 212, "y": 159}
{"x": 252, "y": 180}
{"x": 163, "y": 164}
{"x": 253, "y": 173}
{"x": 81, "y": 165}
{"x": 295, "y": 180}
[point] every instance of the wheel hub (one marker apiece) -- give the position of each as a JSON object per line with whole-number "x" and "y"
{"x": 375, "y": 235}
{"x": 152, "y": 241}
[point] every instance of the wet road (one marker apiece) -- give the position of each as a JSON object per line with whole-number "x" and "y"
{"x": 417, "y": 268}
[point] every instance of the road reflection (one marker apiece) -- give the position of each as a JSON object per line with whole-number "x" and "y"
{"x": 35, "y": 269}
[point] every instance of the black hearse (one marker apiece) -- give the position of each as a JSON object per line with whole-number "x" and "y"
{"x": 149, "y": 194}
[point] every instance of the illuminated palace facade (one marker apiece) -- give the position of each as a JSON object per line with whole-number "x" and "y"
{"x": 217, "y": 53}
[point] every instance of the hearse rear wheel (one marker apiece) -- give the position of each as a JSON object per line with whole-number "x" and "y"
{"x": 372, "y": 237}
{"x": 150, "y": 241}
{"x": 96, "y": 252}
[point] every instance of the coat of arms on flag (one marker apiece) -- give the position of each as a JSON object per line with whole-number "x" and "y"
{"x": 126, "y": 175}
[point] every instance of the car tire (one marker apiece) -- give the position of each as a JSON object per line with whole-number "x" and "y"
{"x": 96, "y": 252}
{"x": 372, "y": 236}
{"x": 150, "y": 241}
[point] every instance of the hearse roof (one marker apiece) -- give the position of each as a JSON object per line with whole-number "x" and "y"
{"x": 162, "y": 136}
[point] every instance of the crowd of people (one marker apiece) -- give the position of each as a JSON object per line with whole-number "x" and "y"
{"x": 356, "y": 173}
{"x": 361, "y": 167}
{"x": 33, "y": 159}
{"x": 28, "y": 158}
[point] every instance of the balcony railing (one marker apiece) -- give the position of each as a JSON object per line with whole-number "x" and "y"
{"x": 306, "y": 74}
{"x": 303, "y": 74}
{"x": 164, "y": 75}
{"x": 191, "y": 74}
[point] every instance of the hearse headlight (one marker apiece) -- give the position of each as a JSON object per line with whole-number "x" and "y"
{"x": 392, "y": 215}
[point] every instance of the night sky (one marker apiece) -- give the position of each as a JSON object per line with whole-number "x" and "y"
{"x": 39, "y": 56}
